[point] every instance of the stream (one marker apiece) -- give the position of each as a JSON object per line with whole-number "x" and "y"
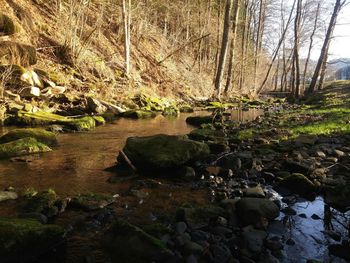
{"x": 78, "y": 165}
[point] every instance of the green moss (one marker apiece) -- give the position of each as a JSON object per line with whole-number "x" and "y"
{"x": 21, "y": 238}
{"x": 22, "y": 147}
{"x": 40, "y": 202}
{"x": 171, "y": 111}
{"x": 163, "y": 151}
{"x": 245, "y": 134}
{"x": 138, "y": 114}
{"x": 219, "y": 105}
{"x": 42, "y": 118}
{"x": 92, "y": 201}
{"x": 81, "y": 124}
{"x": 99, "y": 120}
{"x": 41, "y": 135}
{"x": 7, "y": 25}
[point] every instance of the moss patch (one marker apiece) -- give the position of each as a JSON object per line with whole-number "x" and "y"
{"x": 139, "y": 114}
{"x": 163, "y": 151}
{"x": 20, "y": 238}
{"x": 41, "y": 135}
{"x": 42, "y": 118}
{"x": 22, "y": 147}
{"x": 91, "y": 201}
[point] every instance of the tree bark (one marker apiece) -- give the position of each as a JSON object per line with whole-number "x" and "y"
{"x": 126, "y": 10}
{"x": 296, "y": 49}
{"x": 228, "y": 85}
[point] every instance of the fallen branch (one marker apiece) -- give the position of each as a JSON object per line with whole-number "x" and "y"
{"x": 127, "y": 160}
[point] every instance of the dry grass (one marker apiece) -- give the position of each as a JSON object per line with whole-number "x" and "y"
{"x": 85, "y": 45}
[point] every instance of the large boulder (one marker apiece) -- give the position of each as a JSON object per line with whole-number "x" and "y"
{"x": 13, "y": 51}
{"x": 7, "y": 25}
{"x": 21, "y": 147}
{"x": 127, "y": 243}
{"x": 251, "y": 210}
{"x": 23, "y": 240}
{"x": 161, "y": 151}
{"x": 41, "y": 135}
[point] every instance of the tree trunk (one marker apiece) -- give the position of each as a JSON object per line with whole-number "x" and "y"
{"x": 223, "y": 51}
{"x": 324, "y": 51}
{"x": 260, "y": 32}
{"x": 126, "y": 10}
{"x": 296, "y": 49}
{"x": 228, "y": 85}
{"x": 311, "y": 45}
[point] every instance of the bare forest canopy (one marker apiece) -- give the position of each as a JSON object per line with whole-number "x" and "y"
{"x": 187, "y": 48}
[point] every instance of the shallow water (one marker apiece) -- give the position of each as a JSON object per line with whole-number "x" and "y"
{"x": 77, "y": 164}
{"x": 310, "y": 235}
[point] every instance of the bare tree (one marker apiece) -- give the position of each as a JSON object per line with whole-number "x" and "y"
{"x": 224, "y": 46}
{"x": 228, "y": 85}
{"x": 311, "y": 44}
{"x": 322, "y": 61}
{"x": 296, "y": 64}
{"x": 126, "y": 10}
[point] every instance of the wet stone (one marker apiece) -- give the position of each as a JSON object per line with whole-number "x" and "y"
{"x": 180, "y": 228}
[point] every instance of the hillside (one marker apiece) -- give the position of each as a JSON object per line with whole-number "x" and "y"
{"x": 81, "y": 48}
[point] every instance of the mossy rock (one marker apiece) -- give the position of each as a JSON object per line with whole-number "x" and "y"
{"x": 149, "y": 103}
{"x": 23, "y": 240}
{"x": 41, "y": 118}
{"x": 138, "y": 114}
{"x": 43, "y": 202}
{"x": 160, "y": 152}
{"x": 21, "y": 147}
{"x": 86, "y": 123}
{"x": 99, "y": 120}
{"x": 12, "y": 51}
{"x": 128, "y": 243}
{"x": 171, "y": 111}
{"x": 41, "y": 135}
{"x": 298, "y": 183}
{"x": 199, "y": 120}
{"x": 199, "y": 215}
{"x": 7, "y": 25}
{"x": 91, "y": 201}
{"x": 206, "y": 134}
